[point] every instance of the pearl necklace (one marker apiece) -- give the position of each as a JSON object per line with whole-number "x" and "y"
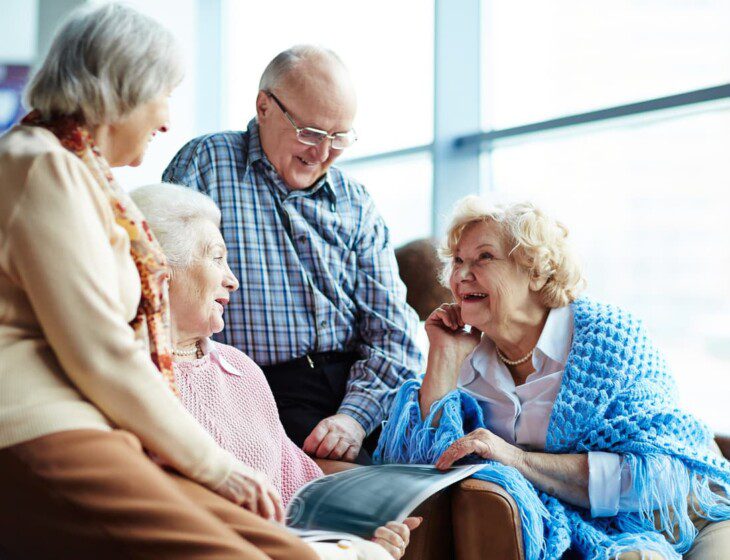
{"x": 197, "y": 351}
{"x": 513, "y": 362}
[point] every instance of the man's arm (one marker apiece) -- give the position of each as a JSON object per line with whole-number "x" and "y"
{"x": 387, "y": 330}
{"x": 387, "y": 327}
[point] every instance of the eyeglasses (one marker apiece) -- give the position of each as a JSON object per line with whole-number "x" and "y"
{"x": 314, "y": 136}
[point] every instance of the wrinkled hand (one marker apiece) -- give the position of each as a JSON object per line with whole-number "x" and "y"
{"x": 445, "y": 329}
{"x": 252, "y": 490}
{"x": 394, "y": 537}
{"x": 486, "y": 445}
{"x": 337, "y": 437}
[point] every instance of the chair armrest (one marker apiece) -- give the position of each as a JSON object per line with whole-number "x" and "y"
{"x": 485, "y": 518}
{"x": 723, "y": 442}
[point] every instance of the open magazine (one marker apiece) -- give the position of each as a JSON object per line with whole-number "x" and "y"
{"x": 359, "y": 500}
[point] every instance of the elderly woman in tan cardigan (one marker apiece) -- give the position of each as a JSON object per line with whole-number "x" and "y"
{"x": 99, "y": 458}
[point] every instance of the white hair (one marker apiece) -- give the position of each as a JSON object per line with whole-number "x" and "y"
{"x": 535, "y": 241}
{"x": 287, "y": 61}
{"x": 103, "y": 62}
{"x": 174, "y": 213}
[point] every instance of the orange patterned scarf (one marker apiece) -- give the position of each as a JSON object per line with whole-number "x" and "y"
{"x": 152, "y": 322}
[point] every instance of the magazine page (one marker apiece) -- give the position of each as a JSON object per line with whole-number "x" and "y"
{"x": 359, "y": 500}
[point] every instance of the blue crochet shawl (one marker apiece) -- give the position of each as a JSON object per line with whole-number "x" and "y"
{"x": 617, "y": 395}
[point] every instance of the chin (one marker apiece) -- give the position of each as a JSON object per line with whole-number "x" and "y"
{"x": 136, "y": 162}
{"x": 299, "y": 177}
{"x": 472, "y": 318}
{"x": 299, "y": 181}
{"x": 216, "y": 326}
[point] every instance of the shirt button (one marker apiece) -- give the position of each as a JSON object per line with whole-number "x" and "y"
{"x": 323, "y": 324}
{"x": 302, "y": 239}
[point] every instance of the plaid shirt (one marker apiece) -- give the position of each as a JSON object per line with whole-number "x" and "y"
{"x": 316, "y": 267}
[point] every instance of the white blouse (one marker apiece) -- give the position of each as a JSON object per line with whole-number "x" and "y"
{"x": 521, "y": 414}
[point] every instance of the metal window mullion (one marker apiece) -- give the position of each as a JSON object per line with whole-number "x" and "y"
{"x": 457, "y": 81}
{"x": 684, "y": 99}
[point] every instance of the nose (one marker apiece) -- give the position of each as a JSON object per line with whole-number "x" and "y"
{"x": 465, "y": 272}
{"x": 230, "y": 281}
{"x": 321, "y": 151}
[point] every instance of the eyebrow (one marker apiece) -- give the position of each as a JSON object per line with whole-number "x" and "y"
{"x": 216, "y": 245}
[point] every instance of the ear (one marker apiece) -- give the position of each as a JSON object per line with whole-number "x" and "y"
{"x": 263, "y": 105}
{"x": 538, "y": 282}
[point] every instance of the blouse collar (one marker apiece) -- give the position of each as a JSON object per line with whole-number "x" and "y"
{"x": 211, "y": 350}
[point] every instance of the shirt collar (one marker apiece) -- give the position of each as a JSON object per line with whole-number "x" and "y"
{"x": 211, "y": 350}
{"x": 554, "y": 342}
{"x": 557, "y": 335}
{"x": 480, "y": 362}
{"x": 256, "y": 154}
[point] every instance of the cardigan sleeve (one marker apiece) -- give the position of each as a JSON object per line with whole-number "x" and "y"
{"x": 60, "y": 254}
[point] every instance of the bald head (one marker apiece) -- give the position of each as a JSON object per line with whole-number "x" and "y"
{"x": 308, "y": 66}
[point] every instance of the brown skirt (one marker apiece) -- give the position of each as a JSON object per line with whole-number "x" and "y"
{"x": 94, "y": 494}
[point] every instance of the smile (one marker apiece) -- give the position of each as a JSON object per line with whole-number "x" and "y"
{"x": 475, "y": 296}
{"x": 307, "y": 163}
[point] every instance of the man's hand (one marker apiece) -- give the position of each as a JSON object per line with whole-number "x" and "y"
{"x": 337, "y": 437}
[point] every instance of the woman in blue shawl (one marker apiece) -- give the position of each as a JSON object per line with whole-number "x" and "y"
{"x": 565, "y": 400}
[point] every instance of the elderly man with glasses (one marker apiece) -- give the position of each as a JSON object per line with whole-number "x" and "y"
{"x": 321, "y": 309}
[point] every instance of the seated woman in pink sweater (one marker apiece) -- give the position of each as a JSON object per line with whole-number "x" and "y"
{"x": 220, "y": 385}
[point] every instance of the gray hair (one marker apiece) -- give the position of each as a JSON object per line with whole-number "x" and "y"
{"x": 103, "y": 62}
{"x": 536, "y": 242}
{"x": 286, "y": 61}
{"x": 171, "y": 211}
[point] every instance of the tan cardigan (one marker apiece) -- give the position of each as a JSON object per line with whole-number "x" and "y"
{"x": 68, "y": 288}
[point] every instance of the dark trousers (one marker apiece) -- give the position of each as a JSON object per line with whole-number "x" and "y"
{"x": 305, "y": 395}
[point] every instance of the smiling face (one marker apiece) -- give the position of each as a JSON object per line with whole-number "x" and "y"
{"x": 319, "y": 95}
{"x": 490, "y": 287}
{"x": 200, "y": 291}
{"x": 127, "y": 139}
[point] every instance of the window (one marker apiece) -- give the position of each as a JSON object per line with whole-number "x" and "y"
{"x": 401, "y": 189}
{"x": 543, "y": 60}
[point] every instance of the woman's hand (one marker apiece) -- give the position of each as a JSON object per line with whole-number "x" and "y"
{"x": 563, "y": 475}
{"x": 252, "y": 490}
{"x": 445, "y": 330}
{"x": 449, "y": 345}
{"x": 486, "y": 445}
{"x": 394, "y": 537}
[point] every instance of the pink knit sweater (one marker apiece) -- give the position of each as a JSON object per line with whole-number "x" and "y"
{"x": 230, "y": 397}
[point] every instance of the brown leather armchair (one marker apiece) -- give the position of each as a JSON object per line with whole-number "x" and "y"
{"x": 474, "y": 520}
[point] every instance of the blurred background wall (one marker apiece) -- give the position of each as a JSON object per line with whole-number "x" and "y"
{"x": 615, "y": 116}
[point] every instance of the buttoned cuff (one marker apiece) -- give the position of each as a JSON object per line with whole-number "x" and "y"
{"x": 604, "y": 483}
{"x": 362, "y": 411}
